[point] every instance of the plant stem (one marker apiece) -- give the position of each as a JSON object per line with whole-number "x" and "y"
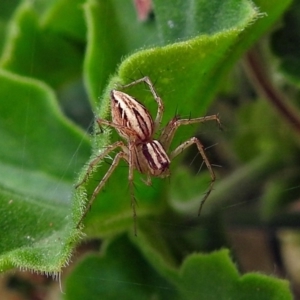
{"x": 256, "y": 69}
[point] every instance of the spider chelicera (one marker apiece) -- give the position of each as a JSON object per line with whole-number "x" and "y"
{"x": 140, "y": 149}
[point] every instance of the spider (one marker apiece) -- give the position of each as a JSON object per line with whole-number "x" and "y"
{"x": 140, "y": 149}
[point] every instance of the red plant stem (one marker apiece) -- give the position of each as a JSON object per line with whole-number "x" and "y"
{"x": 257, "y": 71}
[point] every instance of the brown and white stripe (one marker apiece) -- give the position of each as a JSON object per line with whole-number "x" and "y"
{"x": 156, "y": 157}
{"x": 130, "y": 113}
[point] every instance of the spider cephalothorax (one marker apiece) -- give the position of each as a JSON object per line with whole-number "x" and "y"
{"x": 142, "y": 151}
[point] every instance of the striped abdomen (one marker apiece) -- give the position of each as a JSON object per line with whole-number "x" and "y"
{"x": 152, "y": 159}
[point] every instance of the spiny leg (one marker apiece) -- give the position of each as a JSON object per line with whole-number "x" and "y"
{"x": 95, "y": 161}
{"x": 131, "y": 186}
{"x": 201, "y": 120}
{"x": 114, "y": 164}
{"x": 187, "y": 144}
{"x": 160, "y": 109}
{"x": 110, "y": 148}
{"x": 170, "y": 129}
{"x": 129, "y": 157}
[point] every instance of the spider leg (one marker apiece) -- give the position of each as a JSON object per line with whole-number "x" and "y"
{"x": 170, "y": 129}
{"x": 148, "y": 180}
{"x": 101, "y": 184}
{"x": 201, "y": 120}
{"x": 129, "y": 157}
{"x": 95, "y": 161}
{"x": 187, "y": 144}
{"x": 131, "y": 185}
{"x": 158, "y": 100}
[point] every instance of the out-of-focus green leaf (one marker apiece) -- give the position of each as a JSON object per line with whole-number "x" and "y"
{"x": 66, "y": 18}
{"x": 109, "y": 277}
{"x": 113, "y": 32}
{"x": 285, "y": 43}
{"x": 33, "y": 51}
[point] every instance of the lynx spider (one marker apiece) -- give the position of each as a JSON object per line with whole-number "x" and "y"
{"x": 143, "y": 152}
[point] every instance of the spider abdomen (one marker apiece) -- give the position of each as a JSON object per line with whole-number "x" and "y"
{"x": 153, "y": 159}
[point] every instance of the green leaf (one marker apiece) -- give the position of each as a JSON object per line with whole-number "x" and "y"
{"x": 184, "y": 188}
{"x": 109, "y": 277}
{"x": 32, "y": 50}
{"x": 181, "y": 19}
{"x": 214, "y": 276}
{"x": 201, "y": 276}
{"x": 39, "y": 154}
{"x": 38, "y": 143}
{"x": 66, "y": 18}
{"x": 187, "y": 75}
{"x": 113, "y": 32}
{"x": 181, "y": 71}
{"x": 207, "y": 276}
{"x": 6, "y": 9}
